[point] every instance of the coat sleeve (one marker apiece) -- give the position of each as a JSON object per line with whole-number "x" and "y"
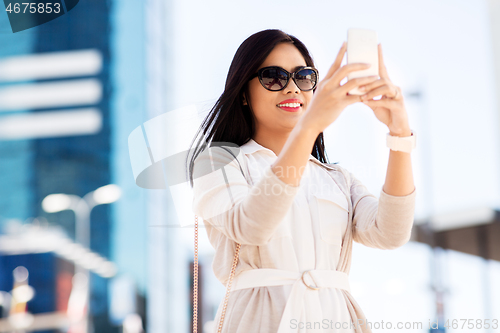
{"x": 223, "y": 198}
{"x": 383, "y": 223}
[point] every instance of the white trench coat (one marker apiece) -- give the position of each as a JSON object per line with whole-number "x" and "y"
{"x": 296, "y": 241}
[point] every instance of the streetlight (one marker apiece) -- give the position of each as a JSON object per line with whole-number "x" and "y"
{"x": 82, "y": 207}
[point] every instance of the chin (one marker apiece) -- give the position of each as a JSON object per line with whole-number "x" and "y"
{"x": 289, "y": 125}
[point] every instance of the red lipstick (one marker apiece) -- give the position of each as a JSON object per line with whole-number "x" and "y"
{"x": 291, "y": 105}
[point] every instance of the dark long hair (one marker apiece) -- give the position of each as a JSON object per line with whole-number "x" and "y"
{"x": 231, "y": 121}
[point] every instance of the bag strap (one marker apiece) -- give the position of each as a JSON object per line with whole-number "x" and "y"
{"x": 233, "y": 267}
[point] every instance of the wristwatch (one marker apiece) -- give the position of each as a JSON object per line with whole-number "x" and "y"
{"x": 402, "y": 143}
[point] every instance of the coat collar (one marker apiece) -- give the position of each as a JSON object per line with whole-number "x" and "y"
{"x": 252, "y": 146}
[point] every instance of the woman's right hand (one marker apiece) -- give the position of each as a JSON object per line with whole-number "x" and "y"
{"x": 331, "y": 98}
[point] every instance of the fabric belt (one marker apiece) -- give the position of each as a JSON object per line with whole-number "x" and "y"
{"x": 305, "y": 288}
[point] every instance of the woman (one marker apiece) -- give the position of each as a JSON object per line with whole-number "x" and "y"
{"x": 295, "y": 215}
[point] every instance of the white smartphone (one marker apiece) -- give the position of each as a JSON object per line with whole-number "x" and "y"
{"x": 362, "y": 46}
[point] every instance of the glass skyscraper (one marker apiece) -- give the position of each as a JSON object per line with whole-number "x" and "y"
{"x": 76, "y": 144}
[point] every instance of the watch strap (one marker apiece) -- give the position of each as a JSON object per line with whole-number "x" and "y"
{"x": 402, "y": 143}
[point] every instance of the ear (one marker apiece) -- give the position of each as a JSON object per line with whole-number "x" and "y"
{"x": 244, "y": 100}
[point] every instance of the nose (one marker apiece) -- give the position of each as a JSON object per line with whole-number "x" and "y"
{"x": 291, "y": 87}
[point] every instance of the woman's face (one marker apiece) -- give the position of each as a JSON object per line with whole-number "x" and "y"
{"x": 270, "y": 117}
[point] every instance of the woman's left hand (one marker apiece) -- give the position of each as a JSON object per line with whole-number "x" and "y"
{"x": 389, "y": 109}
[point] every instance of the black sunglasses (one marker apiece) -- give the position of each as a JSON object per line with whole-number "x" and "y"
{"x": 275, "y": 78}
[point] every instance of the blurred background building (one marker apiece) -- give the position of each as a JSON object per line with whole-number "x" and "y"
{"x": 75, "y": 89}
{"x": 63, "y": 128}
